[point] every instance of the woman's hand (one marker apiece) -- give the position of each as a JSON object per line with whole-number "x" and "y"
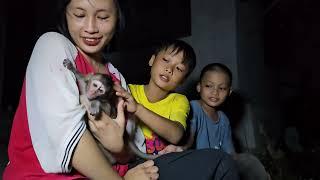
{"x": 129, "y": 102}
{"x": 108, "y": 131}
{"x": 144, "y": 171}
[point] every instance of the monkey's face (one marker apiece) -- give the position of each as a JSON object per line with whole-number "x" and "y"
{"x": 95, "y": 89}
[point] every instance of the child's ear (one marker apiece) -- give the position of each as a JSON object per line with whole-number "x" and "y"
{"x": 153, "y": 57}
{"x": 198, "y": 87}
{"x": 230, "y": 91}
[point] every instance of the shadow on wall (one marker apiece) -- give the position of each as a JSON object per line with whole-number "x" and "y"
{"x": 235, "y": 108}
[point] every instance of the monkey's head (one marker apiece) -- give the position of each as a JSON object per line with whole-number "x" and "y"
{"x": 99, "y": 85}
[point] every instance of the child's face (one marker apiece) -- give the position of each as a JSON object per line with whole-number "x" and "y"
{"x": 167, "y": 70}
{"x": 91, "y": 23}
{"x": 214, "y": 88}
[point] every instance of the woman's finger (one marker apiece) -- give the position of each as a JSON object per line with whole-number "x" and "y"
{"x": 120, "y": 114}
{"x": 92, "y": 126}
{"x": 147, "y": 164}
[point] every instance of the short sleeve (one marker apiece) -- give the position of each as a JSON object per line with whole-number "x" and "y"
{"x": 55, "y": 116}
{"x": 180, "y": 110}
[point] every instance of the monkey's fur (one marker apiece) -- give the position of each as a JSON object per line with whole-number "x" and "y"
{"x": 97, "y": 93}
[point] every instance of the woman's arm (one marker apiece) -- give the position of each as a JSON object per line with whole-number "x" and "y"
{"x": 89, "y": 160}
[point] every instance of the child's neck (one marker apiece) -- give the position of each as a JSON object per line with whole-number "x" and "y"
{"x": 154, "y": 94}
{"x": 210, "y": 111}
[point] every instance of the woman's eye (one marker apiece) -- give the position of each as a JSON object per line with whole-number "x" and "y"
{"x": 79, "y": 15}
{"x": 103, "y": 17}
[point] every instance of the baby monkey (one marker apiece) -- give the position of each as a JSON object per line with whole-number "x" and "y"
{"x": 96, "y": 94}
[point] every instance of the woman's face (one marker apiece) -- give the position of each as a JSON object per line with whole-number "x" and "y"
{"x": 91, "y": 24}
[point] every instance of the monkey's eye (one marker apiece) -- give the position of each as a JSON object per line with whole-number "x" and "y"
{"x": 95, "y": 85}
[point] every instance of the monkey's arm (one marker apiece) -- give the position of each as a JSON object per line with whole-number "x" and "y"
{"x": 80, "y": 78}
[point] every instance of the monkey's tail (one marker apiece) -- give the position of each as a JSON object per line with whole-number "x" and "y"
{"x": 142, "y": 155}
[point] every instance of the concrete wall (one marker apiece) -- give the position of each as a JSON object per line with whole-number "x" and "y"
{"x": 213, "y": 29}
{"x": 231, "y": 32}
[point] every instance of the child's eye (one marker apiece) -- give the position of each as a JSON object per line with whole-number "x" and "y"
{"x": 165, "y": 60}
{"x": 179, "y": 69}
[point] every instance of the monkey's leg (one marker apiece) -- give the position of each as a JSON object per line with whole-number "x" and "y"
{"x": 109, "y": 110}
{"x": 94, "y": 108}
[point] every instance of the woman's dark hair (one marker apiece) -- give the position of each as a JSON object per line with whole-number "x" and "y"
{"x": 218, "y": 67}
{"x": 62, "y": 26}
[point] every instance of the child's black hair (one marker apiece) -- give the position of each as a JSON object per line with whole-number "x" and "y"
{"x": 218, "y": 67}
{"x": 189, "y": 56}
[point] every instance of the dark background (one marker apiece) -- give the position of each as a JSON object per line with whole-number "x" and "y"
{"x": 291, "y": 50}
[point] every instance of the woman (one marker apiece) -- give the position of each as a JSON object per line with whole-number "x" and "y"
{"x": 49, "y": 138}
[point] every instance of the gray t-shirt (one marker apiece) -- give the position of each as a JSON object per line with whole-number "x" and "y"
{"x": 210, "y": 134}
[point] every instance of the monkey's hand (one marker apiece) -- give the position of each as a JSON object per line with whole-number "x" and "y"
{"x": 171, "y": 148}
{"x": 108, "y": 131}
{"x": 67, "y": 63}
{"x": 129, "y": 102}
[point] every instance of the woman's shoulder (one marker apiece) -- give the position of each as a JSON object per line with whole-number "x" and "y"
{"x": 54, "y": 39}
{"x": 52, "y": 36}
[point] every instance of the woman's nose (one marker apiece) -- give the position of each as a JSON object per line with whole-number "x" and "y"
{"x": 91, "y": 25}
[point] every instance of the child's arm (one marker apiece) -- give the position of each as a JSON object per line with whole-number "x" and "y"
{"x": 227, "y": 143}
{"x": 170, "y": 130}
{"x": 173, "y": 148}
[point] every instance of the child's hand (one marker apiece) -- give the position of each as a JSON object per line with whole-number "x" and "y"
{"x": 129, "y": 102}
{"x": 171, "y": 148}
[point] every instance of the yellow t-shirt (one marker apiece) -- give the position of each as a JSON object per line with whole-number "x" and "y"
{"x": 175, "y": 107}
